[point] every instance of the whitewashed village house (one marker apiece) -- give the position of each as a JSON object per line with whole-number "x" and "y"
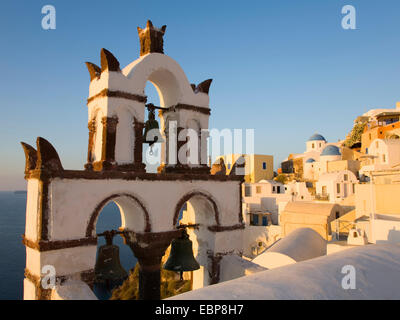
{"x": 262, "y": 204}
{"x": 336, "y": 186}
{"x": 385, "y": 155}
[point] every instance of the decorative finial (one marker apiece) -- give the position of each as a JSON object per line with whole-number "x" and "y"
{"x": 94, "y": 70}
{"x": 30, "y": 157}
{"x": 108, "y": 61}
{"x": 151, "y": 39}
{"x": 47, "y": 156}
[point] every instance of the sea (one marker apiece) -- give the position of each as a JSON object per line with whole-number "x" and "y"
{"x": 12, "y": 251}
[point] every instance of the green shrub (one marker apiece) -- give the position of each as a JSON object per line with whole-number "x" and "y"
{"x": 169, "y": 286}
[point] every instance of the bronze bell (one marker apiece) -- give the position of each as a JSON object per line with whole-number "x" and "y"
{"x": 151, "y": 124}
{"x": 108, "y": 269}
{"x": 181, "y": 256}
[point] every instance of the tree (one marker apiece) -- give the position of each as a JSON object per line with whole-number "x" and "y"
{"x": 171, "y": 284}
{"x": 355, "y": 134}
{"x": 281, "y": 178}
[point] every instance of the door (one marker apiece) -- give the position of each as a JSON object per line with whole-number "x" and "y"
{"x": 265, "y": 221}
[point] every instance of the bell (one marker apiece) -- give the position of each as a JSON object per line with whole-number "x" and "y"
{"x": 108, "y": 270}
{"x": 181, "y": 256}
{"x": 151, "y": 124}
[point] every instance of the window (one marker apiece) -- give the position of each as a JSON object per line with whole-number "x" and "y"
{"x": 278, "y": 189}
{"x": 320, "y": 144}
{"x": 312, "y": 146}
{"x": 354, "y": 188}
{"x": 264, "y": 165}
{"x": 366, "y": 150}
{"x": 247, "y": 191}
{"x": 255, "y": 219}
{"x": 338, "y": 187}
{"x": 273, "y": 189}
{"x": 324, "y": 190}
{"x": 346, "y": 177}
{"x": 384, "y": 158}
{"x": 258, "y": 189}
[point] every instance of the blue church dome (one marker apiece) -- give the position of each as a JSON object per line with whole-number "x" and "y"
{"x": 311, "y": 160}
{"x": 317, "y": 137}
{"x": 331, "y": 151}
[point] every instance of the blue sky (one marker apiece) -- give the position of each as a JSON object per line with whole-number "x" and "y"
{"x": 285, "y": 68}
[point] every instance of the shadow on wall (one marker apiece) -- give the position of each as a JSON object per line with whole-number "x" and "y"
{"x": 393, "y": 236}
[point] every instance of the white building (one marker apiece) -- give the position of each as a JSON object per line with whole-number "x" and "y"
{"x": 315, "y": 159}
{"x": 309, "y": 168}
{"x": 268, "y": 197}
{"x": 315, "y": 143}
{"x": 336, "y": 186}
{"x": 385, "y": 153}
{"x": 262, "y": 204}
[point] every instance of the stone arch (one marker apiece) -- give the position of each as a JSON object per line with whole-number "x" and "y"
{"x": 196, "y": 194}
{"x": 131, "y": 209}
{"x": 177, "y": 97}
{"x": 200, "y": 205}
{"x": 168, "y": 78}
{"x": 167, "y": 86}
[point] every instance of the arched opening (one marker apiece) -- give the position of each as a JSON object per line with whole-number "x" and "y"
{"x": 167, "y": 87}
{"x": 117, "y": 212}
{"x": 152, "y": 154}
{"x": 199, "y": 211}
{"x": 163, "y": 90}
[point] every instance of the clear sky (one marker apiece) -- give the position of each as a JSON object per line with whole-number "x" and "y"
{"x": 285, "y": 68}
